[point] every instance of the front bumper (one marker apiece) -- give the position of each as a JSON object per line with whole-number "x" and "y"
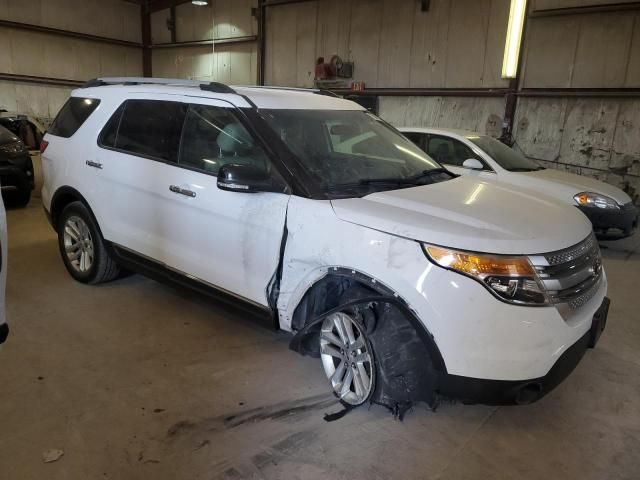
{"x": 4, "y": 332}
{"x": 507, "y": 392}
{"x": 603, "y": 219}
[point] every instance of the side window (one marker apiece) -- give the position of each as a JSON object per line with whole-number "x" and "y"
{"x": 109, "y": 133}
{"x": 416, "y": 137}
{"x": 151, "y": 128}
{"x": 72, "y": 115}
{"x": 214, "y": 136}
{"x": 449, "y": 151}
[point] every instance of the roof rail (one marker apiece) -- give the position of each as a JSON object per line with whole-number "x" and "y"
{"x": 203, "y": 85}
{"x": 317, "y": 91}
{"x": 216, "y": 87}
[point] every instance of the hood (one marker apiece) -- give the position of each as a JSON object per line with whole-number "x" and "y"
{"x": 564, "y": 185}
{"x": 468, "y": 213}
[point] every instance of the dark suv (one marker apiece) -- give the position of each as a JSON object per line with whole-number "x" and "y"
{"x": 16, "y": 169}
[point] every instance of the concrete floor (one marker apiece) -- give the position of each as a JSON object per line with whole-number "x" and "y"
{"x": 136, "y": 380}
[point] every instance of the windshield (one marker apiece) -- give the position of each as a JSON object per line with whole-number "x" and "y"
{"x": 353, "y": 150}
{"x": 507, "y": 158}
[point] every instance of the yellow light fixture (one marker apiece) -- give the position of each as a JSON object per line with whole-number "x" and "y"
{"x": 517, "y": 13}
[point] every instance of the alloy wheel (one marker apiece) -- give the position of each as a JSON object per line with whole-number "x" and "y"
{"x": 346, "y": 358}
{"x": 78, "y": 244}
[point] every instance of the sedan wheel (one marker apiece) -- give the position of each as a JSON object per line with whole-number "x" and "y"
{"x": 78, "y": 244}
{"x": 347, "y": 358}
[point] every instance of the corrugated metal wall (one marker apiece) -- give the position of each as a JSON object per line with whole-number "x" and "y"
{"x": 456, "y": 44}
{"x": 599, "y": 137}
{"x": 460, "y": 44}
{"x": 44, "y": 55}
{"x": 224, "y": 19}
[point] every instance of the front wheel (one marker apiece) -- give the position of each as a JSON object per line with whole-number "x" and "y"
{"x": 82, "y": 247}
{"x": 347, "y": 358}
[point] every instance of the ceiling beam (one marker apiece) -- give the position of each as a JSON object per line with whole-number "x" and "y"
{"x": 67, "y": 33}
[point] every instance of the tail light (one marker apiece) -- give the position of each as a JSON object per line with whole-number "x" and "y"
{"x": 43, "y": 146}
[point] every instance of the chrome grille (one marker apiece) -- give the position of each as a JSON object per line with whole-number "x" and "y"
{"x": 571, "y": 276}
{"x": 572, "y": 253}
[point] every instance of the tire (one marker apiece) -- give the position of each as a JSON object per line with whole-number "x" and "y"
{"x": 23, "y": 197}
{"x": 82, "y": 246}
{"x": 347, "y": 358}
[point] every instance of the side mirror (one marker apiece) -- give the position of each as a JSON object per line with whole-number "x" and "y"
{"x": 473, "y": 164}
{"x": 245, "y": 178}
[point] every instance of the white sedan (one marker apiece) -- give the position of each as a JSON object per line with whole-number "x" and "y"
{"x": 463, "y": 152}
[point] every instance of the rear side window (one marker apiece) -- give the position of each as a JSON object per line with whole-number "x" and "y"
{"x": 109, "y": 133}
{"x": 149, "y": 128}
{"x": 72, "y": 115}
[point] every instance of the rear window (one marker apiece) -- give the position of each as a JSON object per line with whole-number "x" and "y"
{"x": 72, "y": 115}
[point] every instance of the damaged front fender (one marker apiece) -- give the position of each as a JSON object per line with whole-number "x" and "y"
{"x": 408, "y": 362}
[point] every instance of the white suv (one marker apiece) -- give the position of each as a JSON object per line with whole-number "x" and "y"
{"x": 409, "y": 282}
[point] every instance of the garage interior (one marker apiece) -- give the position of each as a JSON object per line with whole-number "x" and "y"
{"x": 136, "y": 379}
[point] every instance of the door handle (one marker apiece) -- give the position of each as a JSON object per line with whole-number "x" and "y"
{"x": 94, "y": 164}
{"x": 182, "y": 191}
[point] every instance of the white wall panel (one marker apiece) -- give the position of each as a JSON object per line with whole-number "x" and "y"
{"x": 160, "y": 33}
{"x": 107, "y": 18}
{"x": 364, "y": 36}
{"x": 583, "y": 51}
{"x": 38, "y": 100}
{"x": 429, "y": 46}
{"x": 235, "y": 64}
{"x": 554, "y": 4}
{"x": 394, "y": 53}
{"x": 589, "y": 136}
{"x": 392, "y": 42}
{"x": 281, "y": 58}
{"x": 478, "y": 114}
{"x": 43, "y": 55}
{"x": 220, "y": 19}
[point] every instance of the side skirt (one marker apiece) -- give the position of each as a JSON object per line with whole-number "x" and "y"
{"x": 162, "y": 273}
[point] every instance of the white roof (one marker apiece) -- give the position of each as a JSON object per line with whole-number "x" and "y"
{"x": 262, "y": 97}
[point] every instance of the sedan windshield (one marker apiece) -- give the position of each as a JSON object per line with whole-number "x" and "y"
{"x": 507, "y": 158}
{"x": 353, "y": 151}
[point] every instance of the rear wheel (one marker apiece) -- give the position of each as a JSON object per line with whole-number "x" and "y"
{"x": 82, "y": 247}
{"x": 347, "y": 358}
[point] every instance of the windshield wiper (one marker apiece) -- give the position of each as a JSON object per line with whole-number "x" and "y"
{"x": 525, "y": 169}
{"x": 433, "y": 171}
{"x": 390, "y": 180}
{"x": 413, "y": 180}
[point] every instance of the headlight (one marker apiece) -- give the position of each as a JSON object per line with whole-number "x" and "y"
{"x": 590, "y": 199}
{"x": 14, "y": 148}
{"x": 511, "y": 279}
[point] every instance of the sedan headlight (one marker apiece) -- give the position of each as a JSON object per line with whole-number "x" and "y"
{"x": 511, "y": 279}
{"x": 590, "y": 199}
{"x": 13, "y": 148}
